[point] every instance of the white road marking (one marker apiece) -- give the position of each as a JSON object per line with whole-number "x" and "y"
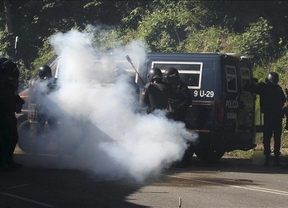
{"x": 16, "y": 186}
{"x": 26, "y": 199}
{"x": 247, "y": 187}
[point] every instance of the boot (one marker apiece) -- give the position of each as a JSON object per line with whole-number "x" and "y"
{"x": 7, "y": 168}
{"x": 14, "y": 165}
{"x": 276, "y": 161}
{"x": 267, "y": 161}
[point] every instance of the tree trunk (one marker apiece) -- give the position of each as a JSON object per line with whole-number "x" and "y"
{"x": 7, "y": 14}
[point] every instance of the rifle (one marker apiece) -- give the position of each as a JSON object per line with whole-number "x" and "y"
{"x": 130, "y": 61}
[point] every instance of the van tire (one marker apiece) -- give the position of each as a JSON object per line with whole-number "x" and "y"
{"x": 24, "y": 137}
{"x": 27, "y": 139}
{"x": 184, "y": 162}
{"x": 209, "y": 155}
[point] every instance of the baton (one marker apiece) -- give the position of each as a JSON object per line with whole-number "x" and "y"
{"x": 130, "y": 61}
{"x": 16, "y": 45}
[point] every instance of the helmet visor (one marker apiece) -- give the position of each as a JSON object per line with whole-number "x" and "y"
{"x": 173, "y": 79}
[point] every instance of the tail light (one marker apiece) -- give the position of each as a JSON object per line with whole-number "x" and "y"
{"x": 24, "y": 94}
{"x": 219, "y": 105}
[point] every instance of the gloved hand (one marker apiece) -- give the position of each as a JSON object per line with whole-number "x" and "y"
{"x": 254, "y": 80}
{"x": 19, "y": 102}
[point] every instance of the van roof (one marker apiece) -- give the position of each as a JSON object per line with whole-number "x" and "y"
{"x": 201, "y": 55}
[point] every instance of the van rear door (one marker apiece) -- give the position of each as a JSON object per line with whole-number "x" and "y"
{"x": 239, "y": 105}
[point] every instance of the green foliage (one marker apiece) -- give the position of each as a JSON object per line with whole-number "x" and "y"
{"x": 4, "y": 43}
{"x": 280, "y": 66}
{"x": 255, "y": 41}
{"x": 208, "y": 40}
{"x": 45, "y": 54}
{"x": 163, "y": 28}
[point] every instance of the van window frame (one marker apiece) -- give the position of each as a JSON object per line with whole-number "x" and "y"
{"x": 130, "y": 70}
{"x": 171, "y": 63}
{"x": 231, "y": 76}
{"x": 245, "y": 77}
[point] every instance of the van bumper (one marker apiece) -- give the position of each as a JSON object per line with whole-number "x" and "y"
{"x": 228, "y": 142}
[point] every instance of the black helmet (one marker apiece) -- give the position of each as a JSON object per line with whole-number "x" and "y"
{"x": 272, "y": 78}
{"x": 171, "y": 75}
{"x": 44, "y": 72}
{"x": 154, "y": 73}
{"x": 9, "y": 69}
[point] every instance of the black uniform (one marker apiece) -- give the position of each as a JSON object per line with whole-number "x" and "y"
{"x": 181, "y": 98}
{"x": 40, "y": 88}
{"x": 272, "y": 99}
{"x": 10, "y": 102}
{"x": 178, "y": 104}
{"x": 155, "y": 95}
{"x": 179, "y": 101}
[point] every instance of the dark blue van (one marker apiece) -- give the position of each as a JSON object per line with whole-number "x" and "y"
{"x": 222, "y": 112}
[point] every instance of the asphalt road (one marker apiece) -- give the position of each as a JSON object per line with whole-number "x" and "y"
{"x": 231, "y": 182}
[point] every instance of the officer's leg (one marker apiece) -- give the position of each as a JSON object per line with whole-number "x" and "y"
{"x": 5, "y": 144}
{"x": 277, "y": 139}
{"x": 267, "y": 134}
{"x": 2, "y": 146}
{"x": 13, "y": 132}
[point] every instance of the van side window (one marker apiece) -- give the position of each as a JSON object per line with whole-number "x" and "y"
{"x": 101, "y": 69}
{"x": 231, "y": 78}
{"x": 245, "y": 78}
{"x": 189, "y": 72}
{"x": 124, "y": 65}
{"x": 53, "y": 68}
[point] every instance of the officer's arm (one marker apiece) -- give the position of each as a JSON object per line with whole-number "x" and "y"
{"x": 255, "y": 88}
{"x": 19, "y": 102}
{"x": 187, "y": 101}
{"x": 144, "y": 98}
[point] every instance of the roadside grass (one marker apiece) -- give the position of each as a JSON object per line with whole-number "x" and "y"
{"x": 249, "y": 153}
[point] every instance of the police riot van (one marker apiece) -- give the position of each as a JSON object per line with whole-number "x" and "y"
{"x": 222, "y": 112}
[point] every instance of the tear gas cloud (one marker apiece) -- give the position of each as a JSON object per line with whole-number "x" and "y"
{"x": 111, "y": 136}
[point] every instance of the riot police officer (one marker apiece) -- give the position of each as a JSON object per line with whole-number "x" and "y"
{"x": 43, "y": 85}
{"x": 181, "y": 98}
{"x": 272, "y": 99}
{"x": 10, "y": 102}
{"x": 178, "y": 104}
{"x": 45, "y": 74}
{"x": 156, "y": 93}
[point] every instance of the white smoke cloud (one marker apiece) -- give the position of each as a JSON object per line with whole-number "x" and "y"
{"x": 101, "y": 124}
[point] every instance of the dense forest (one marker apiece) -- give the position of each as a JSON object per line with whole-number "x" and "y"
{"x": 257, "y": 29}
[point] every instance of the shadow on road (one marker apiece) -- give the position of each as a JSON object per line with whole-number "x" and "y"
{"x": 231, "y": 164}
{"x": 39, "y": 184}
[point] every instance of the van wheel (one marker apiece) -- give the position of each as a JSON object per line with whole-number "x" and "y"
{"x": 24, "y": 135}
{"x": 183, "y": 163}
{"x": 209, "y": 155}
{"x": 28, "y": 141}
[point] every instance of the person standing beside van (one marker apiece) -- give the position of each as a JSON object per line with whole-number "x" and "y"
{"x": 156, "y": 93}
{"x": 272, "y": 99}
{"x": 178, "y": 104}
{"x": 42, "y": 86}
{"x": 10, "y": 102}
{"x": 180, "y": 99}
